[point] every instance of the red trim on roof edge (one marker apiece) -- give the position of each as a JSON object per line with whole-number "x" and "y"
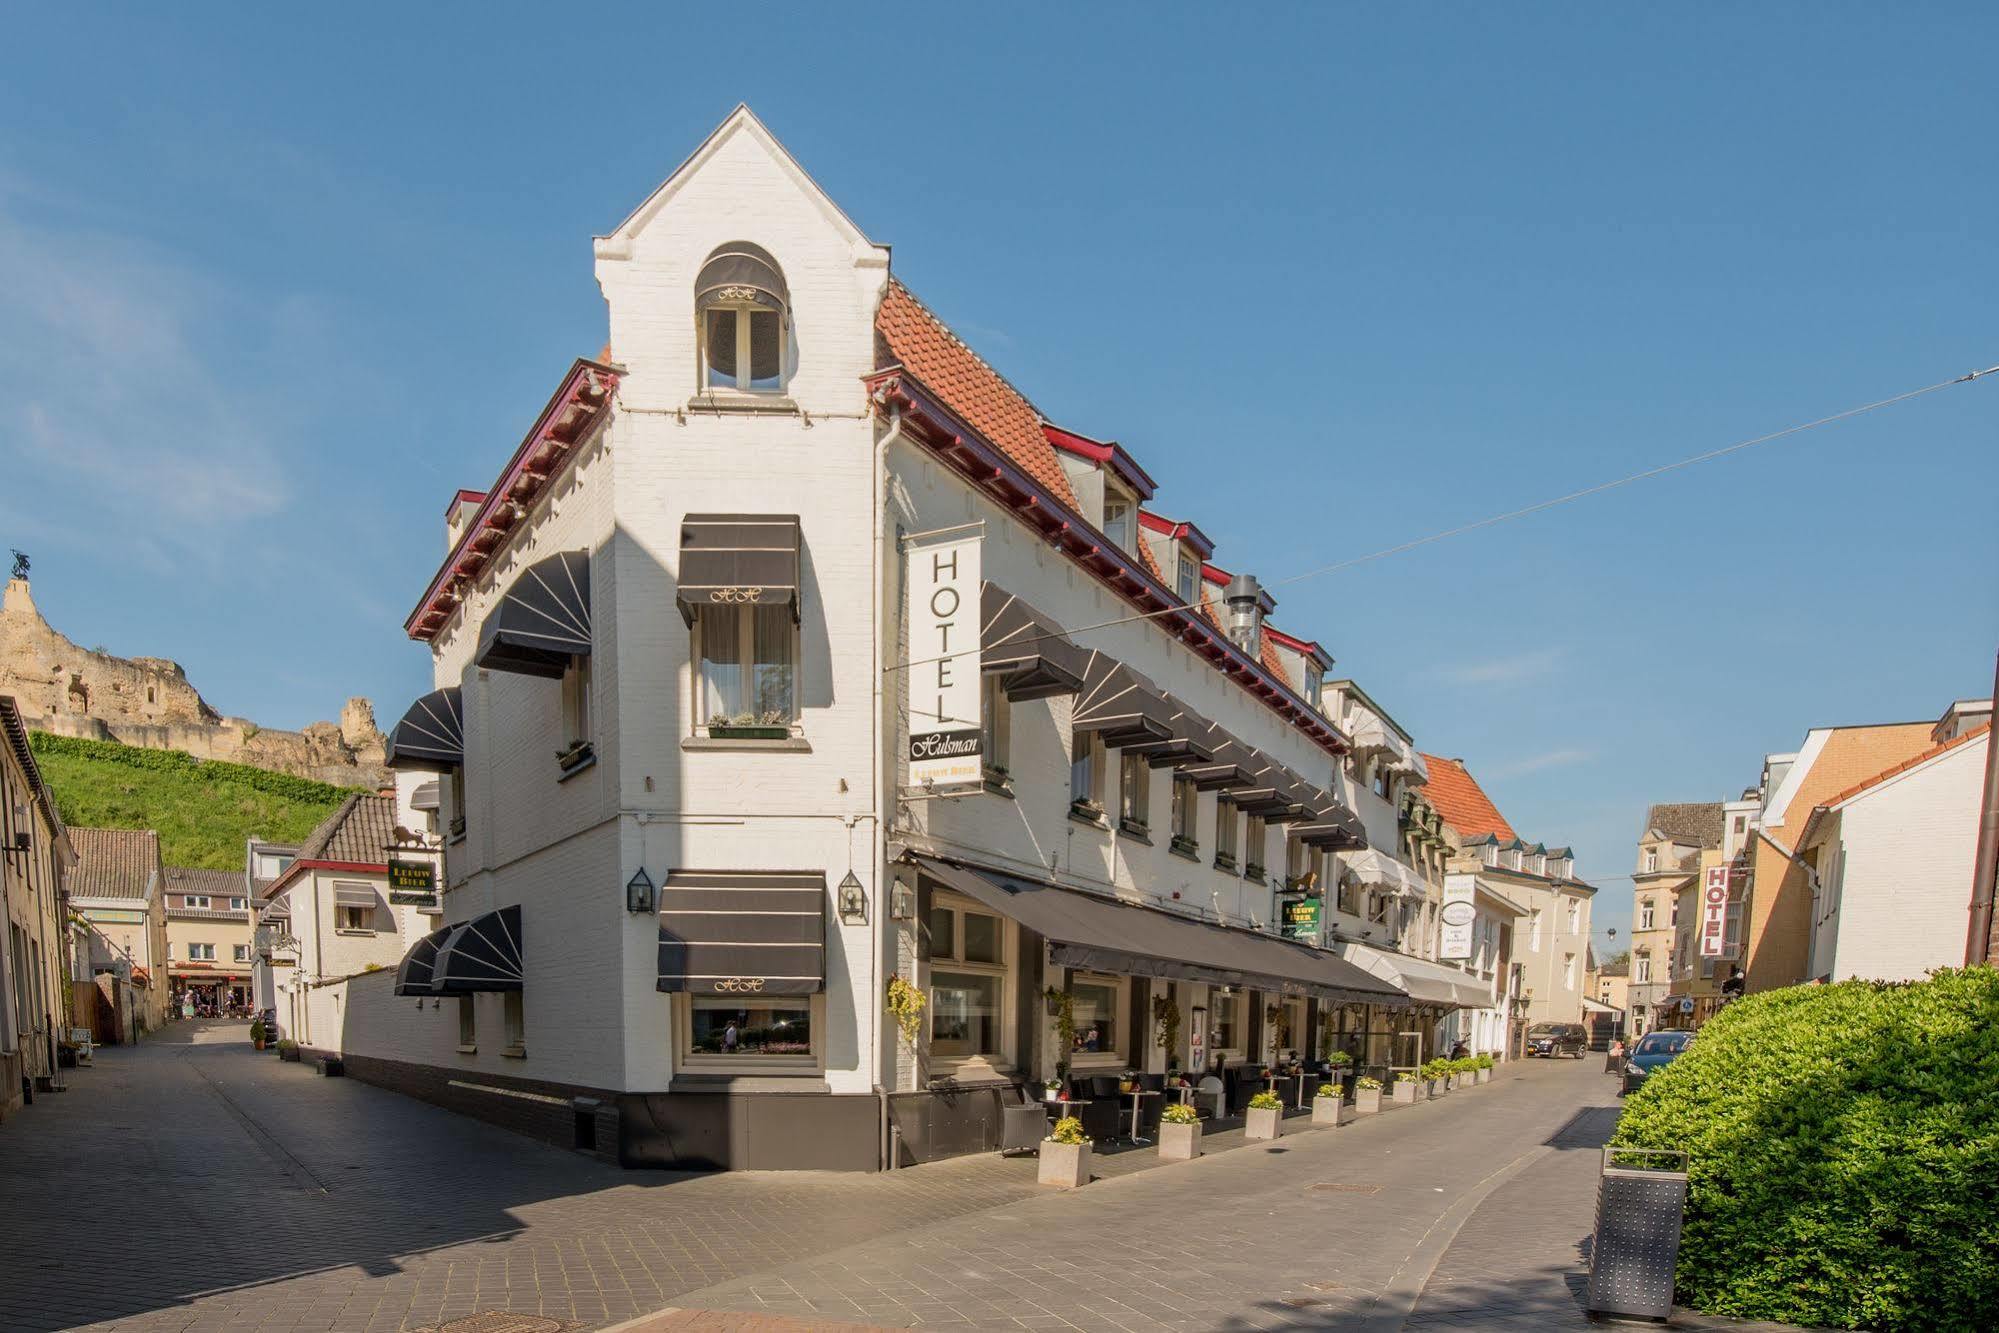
{"x": 1104, "y": 453}
{"x": 938, "y": 429}
{"x": 1304, "y": 647}
{"x": 1203, "y": 545}
{"x": 577, "y": 407}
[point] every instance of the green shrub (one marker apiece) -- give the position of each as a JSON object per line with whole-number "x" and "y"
{"x": 1483, "y": 1060}
{"x": 1843, "y": 1154}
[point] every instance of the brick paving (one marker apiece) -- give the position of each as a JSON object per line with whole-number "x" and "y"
{"x": 191, "y": 1184}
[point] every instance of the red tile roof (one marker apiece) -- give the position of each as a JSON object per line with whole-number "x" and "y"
{"x": 911, "y": 336}
{"x": 1907, "y": 764}
{"x": 1275, "y": 664}
{"x": 1461, "y": 801}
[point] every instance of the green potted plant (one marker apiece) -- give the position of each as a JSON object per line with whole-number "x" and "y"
{"x": 1482, "y": 1063}
{"x": 1402, "y": 1090}
{"x": 288, "y": 1050}
{"x": 1366, "y": 1095}
{"x": 1065, "y": 1155}
{"x": 1266, "y": 1116}
{"x": 257, "y": 1033}
{"x": 1434, "y": 1075}
{"x": 765, "y": 726}
{"x": 1329, "y": 1105}
{"x": 1179, "y": 1133}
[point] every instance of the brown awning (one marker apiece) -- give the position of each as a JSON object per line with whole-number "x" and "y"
{"x": 1121, "y": 705}
{"x": 1187, "y": 742}
{"x": 1231, "y": 765}
{"x": 542, "y": 621}
{"x": 1330, "y": 825}
{"x": 743, "y": 932}
{"x": 738, "y": 559}
{"x": 1026, "y": 650}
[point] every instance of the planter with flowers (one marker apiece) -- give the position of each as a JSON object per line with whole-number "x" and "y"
{"x": 1403, "y": 1091}
{"x": 765, "y": 726}
{"x": 1366, "y": 1095}
{"x": 1329, "y": 1107}
{"x": 1179, "y": 1133}
{"x": 1435, "y": 1076}
{"x": 1266, "y": 1117}
{"x": 1483, "y": 1063}
{"x": 1065, "y": 1155}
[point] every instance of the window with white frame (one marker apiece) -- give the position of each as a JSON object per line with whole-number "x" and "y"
{"x": 1349, "y": 896}
{"x": 239, "y": 904}
{"x": 1315, "y": 680}
{"x": 1641, "y": 967}
{"x": 241, "y": 953}
{"x": 1098, "y": 1004}
{"x": 743, "y": 323}
{"x": 1645, "y": 914}
{"x": 1569, "y": 971}
{"x": 456, "y": 785}
{"x": 733, "y": 1031}
{"x": 1534, "y": 931}
{"x": 513, "y": 1015}
{"x": 468, "y": 1027}
{"x": 1186, "y": 805}
{"x": 200, "y": 900}
{"x": 576, "y": 703}
{"x": 747, "y": 660}
{"x": 1296, "y": 862}
{"x": 1134, "y": 789}
{"x": 995, "y": 720}
{"x": 969, "y": 982}
{"x": 353, "y": 918}
{"x": 1086, "y": 772}
{"x": 1117, "y": 520}
{"x": 1227, "y": 821}
{"x": 201, "y": 953}
{"x": 1225, "y": 1026}
{"x": 1186, "y": 578}
{"x": 1575, "y": 917}
{"x": 1651, "y": 859}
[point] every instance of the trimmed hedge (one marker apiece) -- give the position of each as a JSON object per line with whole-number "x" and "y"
{"x": 1843, "y": 1146}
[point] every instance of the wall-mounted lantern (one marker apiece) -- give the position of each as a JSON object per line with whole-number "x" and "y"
{"x": 853, "y": 901}
{"x": 640, "y": 899}
{"x": 901, "y": 902}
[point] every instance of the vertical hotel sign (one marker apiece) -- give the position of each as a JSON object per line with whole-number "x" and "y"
{"x": 1454, "y": 931}
{"x": 1714, "y": 912}
{"x": 944, "y": 727}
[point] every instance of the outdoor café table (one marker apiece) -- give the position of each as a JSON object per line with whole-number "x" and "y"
{"x": 1272, "y": 1080}
{"x": 1137, "y": 1098}
{"x": 1060, "y": 1105}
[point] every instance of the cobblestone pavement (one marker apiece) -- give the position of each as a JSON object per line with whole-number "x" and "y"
{"x": 191, "y": 1184}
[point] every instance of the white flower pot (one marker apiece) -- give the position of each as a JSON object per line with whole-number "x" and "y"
{"x": 1402, "y": 1092}
{"x": 1366, "y": 1101}
{"x": 1485, "y": 1076}
{"x": 1064, "y": 1165}
{"x": 1179, "y": 1143}
{"x": 1434, "y": 1088}
{"x": 1264, "y": 1124}
{"x": 1331, "y": 1111}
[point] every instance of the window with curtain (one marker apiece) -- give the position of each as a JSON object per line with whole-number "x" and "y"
{"x": 1253, "y": 847}
{"x": 1134, "y": 786}
{"x": 994, "y": 720}
{"x": 747, "y": 657}
{"x": 742, "y": 348}
{"x": 1225, "y": 833}
{"x": 1098, "y": 1004}
{"x": 1186, "y": 806}
{"x": 1086, "y": 761}
{"x": 968, "y": 983}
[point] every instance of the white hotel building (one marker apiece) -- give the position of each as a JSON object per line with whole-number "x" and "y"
{"x": 686, "y": 862}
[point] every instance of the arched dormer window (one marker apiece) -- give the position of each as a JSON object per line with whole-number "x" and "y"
{"x": 744, "y": 311}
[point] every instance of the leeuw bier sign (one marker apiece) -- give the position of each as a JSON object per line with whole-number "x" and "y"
{"x": 944, "y": 734}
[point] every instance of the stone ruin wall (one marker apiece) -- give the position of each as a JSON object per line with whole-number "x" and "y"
{"x": 149, "y": 702}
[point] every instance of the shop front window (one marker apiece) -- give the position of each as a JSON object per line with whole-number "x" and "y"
{"x": 727, "y": 1028}
{"x": 1096, "y": 1003}
{"x": 968, "y": 983}
{"x": 1225, "y": 1018}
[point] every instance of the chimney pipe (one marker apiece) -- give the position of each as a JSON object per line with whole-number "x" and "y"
{"x": 1248, "y": 604}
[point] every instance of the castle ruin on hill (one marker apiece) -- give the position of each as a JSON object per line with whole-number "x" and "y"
{"x": 149, "y": 702}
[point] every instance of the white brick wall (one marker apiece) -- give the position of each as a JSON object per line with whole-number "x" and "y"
{"x": 1907, "y": 847}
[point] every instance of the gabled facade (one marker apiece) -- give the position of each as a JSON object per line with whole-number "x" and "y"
{"x": 117, "y": 894}
{"x": 208, "y": 943}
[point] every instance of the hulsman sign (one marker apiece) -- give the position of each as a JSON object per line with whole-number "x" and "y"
{"x": 944, "y": 731}
{"x": 1714, "y": 912}
{"x": 1454, "y": 935}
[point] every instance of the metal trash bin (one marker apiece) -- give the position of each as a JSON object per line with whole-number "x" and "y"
{"x": 1640, "y": 1203}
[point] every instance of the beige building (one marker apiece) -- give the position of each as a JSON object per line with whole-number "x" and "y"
{"x": 208, "y": 942}
{"x": 1669, "y": 852}
{"x": 35, "y": 857}
{"x": 118, "y": 891}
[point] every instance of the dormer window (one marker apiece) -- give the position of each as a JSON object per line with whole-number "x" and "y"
{"x": 1117, "y": 521}
{"x": 1186, "y": 578}
{"x": 743, "y": 305}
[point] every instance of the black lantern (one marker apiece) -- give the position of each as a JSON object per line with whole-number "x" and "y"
{"x": 639, "y": 896}
{"x": 853, "y": 901}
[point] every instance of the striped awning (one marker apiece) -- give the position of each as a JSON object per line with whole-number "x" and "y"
{"x": 483, "y": 954}
{"x": 431, "y": 735}
{"x": 542, "y": 621}
{"x": 1275, "y": 793}
{"x": 1025, "y": 649}
{"x": 738, "y": 560}
{"x": 1231, "y": 765}
{"x": 1188, "y": 740}
{"x": 1120, "y": 705}
{"x": 1330, "y": 825}
{"x": 743, "y": 932}
{"x": 356, "y": 895}
{"x": 415, "y": 973}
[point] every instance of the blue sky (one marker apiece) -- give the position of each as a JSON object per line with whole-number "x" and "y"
{"x": 271, "y": 286}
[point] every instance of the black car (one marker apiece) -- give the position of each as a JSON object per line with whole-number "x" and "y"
{"x": 1552, "y": 1039}
{"x": 1654, "y": 1051}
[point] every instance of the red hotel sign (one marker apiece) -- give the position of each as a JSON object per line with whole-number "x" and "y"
{"x": 1714, "y": 912}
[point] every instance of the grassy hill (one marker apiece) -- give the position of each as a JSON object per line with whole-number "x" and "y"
{"x": 203, "y": 810}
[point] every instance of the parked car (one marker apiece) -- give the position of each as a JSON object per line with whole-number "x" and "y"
{"x": 1654, "y": 1051}
{"x": 1552, "y": 1039}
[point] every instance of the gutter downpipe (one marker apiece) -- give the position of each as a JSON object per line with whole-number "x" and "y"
{"x": 884, "y": 1160}
{"x": 1985, "y": 866}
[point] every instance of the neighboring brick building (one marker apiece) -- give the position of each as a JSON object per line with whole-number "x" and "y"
{"x": 208, "y": 942}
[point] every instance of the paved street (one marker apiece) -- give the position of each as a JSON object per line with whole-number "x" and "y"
{"x": 192, "y": 1184}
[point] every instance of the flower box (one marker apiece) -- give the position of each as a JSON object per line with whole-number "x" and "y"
{"x": 1179, "y": 1143}
{"x": 1263, "y": 1124}
{"x": 1485, "y": 1076}
{"x": 1333, "y": 1110}
{"x": 723, "y": 731}
{"x": 1402, "y": 1092}
{"x": 1366, "y": 1101}
{"x": 1434, "y": 1088}
{"x": 1064, "y": 1165}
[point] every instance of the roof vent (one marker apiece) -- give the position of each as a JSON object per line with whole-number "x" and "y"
{"x": 1248, "y": 604}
